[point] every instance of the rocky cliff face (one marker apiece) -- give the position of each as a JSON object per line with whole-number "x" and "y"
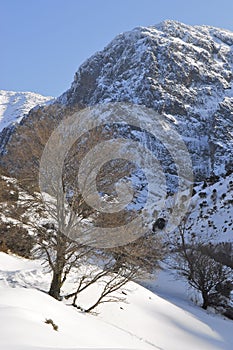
{"x": 183, "y": 72}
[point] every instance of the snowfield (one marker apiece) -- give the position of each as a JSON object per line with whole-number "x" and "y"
{"x": 160, "y": 318}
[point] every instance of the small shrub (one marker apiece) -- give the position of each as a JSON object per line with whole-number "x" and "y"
{"x": 15, "y": 239}
{"x": 50, "y": 321}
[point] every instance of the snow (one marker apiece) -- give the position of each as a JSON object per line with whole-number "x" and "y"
{"x": 213, "y": 215}
{"x": 160, "y": 318}
{"x": 15, "y": 105}
{"x": 25, "y": 311}
{"x": 11, "y": 263}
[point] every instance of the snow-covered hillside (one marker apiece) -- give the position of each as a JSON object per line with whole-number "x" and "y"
{"x": 165, "y": 319}
{"x": 212, "y": 210}
{"x": 15, "y": 105}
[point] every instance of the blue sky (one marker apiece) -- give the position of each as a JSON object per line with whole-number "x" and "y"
{"x": 43, "y": 42}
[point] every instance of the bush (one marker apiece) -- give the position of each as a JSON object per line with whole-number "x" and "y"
{"x": 50, "y": 321}
{"x": 15, "y": 239}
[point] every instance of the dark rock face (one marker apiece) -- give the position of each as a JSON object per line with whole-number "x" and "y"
{"x": 183, "y": 72}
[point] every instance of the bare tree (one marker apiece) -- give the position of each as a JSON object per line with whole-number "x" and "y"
{"x": 114, "y": 268}
{"x": 116, "y": 271}
{"x": 193, "y": 261}
{"x": 61, "y": 255}
{"x": 108, "y": 281}
{"x": 112, "y": 283}
{"x": 63, "y": 244}
{"x": 24, "y": 210}
{"x": 53, "y": 221}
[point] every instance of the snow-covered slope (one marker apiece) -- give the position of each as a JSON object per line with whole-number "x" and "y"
{"x": 147, "y": 321}
{"x": 15, "y": 105}
{"x": 212, "y": 212}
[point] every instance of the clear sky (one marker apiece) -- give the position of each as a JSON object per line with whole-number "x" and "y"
{"x": 43, "y": 42}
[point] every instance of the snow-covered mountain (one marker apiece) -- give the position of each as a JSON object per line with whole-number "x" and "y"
{"x": 15, "y": 105}
{"x": 184, "y": 72}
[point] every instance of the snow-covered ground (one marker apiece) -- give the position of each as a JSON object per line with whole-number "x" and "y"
{"x": 160, "y": 318}
{"x": 212, "y": 210}
{"x": 15, "y": 105}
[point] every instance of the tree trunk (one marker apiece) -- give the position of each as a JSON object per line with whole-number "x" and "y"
{"x": 56, "y": 284}
{"x": 58, "y": 269}
{"x": 205, "y": 301}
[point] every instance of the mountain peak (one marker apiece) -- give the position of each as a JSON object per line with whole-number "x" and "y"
{"x": 147, "y": 57}
{"x": 15, "y": 105}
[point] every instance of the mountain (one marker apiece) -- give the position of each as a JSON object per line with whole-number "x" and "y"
{"x": 13, "y": 107}
{"x": 181, "y": 71}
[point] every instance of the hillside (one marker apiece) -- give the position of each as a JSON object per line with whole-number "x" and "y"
{"x": 164, "y": 320}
